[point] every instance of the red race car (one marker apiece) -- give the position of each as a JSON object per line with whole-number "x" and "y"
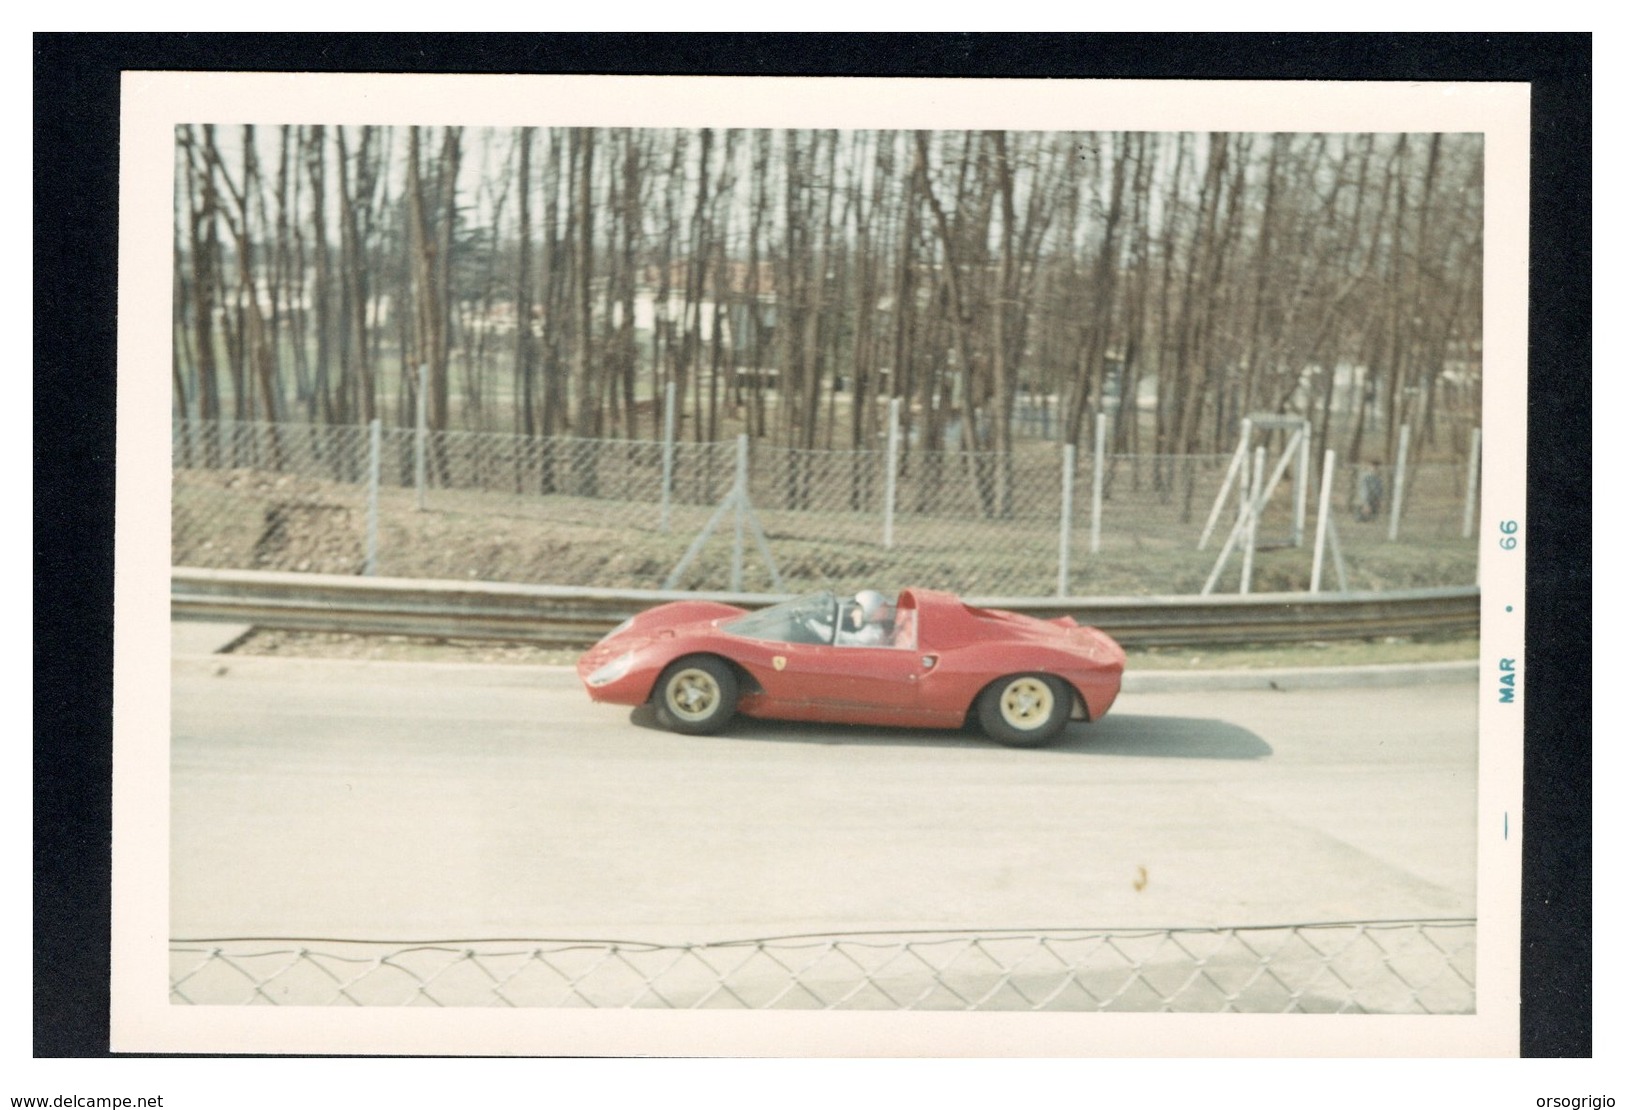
{"x": 923, "y": 660}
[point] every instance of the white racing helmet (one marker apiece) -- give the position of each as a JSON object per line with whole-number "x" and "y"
{"x": 874, "y": 606}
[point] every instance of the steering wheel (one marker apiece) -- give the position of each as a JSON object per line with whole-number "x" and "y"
{"x": 804, "y": 628}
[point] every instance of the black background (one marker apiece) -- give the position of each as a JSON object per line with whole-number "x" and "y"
{"x": 76, "y": 105}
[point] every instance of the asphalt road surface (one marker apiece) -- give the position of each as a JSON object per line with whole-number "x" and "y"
{"x": 402, "y": 801}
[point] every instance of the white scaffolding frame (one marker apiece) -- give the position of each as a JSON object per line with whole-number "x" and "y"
{"x": 1253, "y": 491}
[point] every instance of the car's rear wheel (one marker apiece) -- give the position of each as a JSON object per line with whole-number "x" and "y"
{"x": 697, "y": 695}
{"x": 1025, "y": 710}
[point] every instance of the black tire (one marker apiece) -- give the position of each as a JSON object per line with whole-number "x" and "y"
{"x": 1025, "y": 710}
{"x": 696, "y": 696}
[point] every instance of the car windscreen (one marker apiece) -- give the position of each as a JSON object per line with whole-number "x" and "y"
{"x": 806, "y": 620}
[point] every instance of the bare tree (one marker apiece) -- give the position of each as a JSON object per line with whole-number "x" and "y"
{"x": 524, "y": 370}
{"x": 202, "y": 202}
{"x": 789, "y": 283}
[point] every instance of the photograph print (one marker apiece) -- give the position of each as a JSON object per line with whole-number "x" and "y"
{"x": 652, "y": 567}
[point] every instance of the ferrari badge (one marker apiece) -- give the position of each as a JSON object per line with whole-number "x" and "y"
{"x": 779, "y": 662}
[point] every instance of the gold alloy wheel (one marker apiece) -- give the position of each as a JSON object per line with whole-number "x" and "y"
{"x": 692, "y": 694}
{"x": 1027, "y": 703}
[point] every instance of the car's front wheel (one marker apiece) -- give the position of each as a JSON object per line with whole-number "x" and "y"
{"x": 696, "y": 695}
{"x": 1025, "y": 710}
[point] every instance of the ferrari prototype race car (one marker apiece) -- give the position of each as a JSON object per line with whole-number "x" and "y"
{"x": 923, "y": 659}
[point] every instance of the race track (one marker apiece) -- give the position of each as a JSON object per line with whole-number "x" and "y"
{"x": 414, "y": 801}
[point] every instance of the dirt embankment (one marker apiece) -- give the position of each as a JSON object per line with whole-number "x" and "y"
{"x": 248, "y": 519}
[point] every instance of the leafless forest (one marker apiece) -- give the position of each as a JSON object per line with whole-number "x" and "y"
{"x": 789, "y": 283}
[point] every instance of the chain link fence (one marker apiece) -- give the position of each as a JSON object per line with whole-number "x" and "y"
{"x": 1391, "y": 967}
{"x": 626, "y": 513}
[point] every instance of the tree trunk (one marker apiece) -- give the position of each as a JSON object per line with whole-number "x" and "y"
{"x": 524, "y": 369}
{"x": 322, "y": 294}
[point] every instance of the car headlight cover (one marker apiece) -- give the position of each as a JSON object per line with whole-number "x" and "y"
{"x": 609, "y": 672}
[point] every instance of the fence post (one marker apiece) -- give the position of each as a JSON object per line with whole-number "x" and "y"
{"x": 1399, "y": 481}
{"x": 1300, "y": 486}
{"x": 1069, "y": 463}
{"x": 891, "y": 470}
{"x": 667, "y": 447}
{"x": 375, "y": 452}
{"x": 1246, "y": 479}
{"x": 1467, "y": 513}
{"x": 1099, "y": 482}
{"x": 420, "y": 441}
{"x": 1254, "y": 508}
{"x": 736, "y": 575}
{"x": 1328, "y": 468}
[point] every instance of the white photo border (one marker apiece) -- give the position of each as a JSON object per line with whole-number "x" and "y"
{"x": 143, "y": 1020}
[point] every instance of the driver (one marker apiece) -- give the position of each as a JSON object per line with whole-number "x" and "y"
{"x": 867, "y": 623}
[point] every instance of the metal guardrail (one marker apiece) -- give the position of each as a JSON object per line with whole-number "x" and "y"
{"x": 575, "y": 616}
{"x": 1386, "y": 967}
